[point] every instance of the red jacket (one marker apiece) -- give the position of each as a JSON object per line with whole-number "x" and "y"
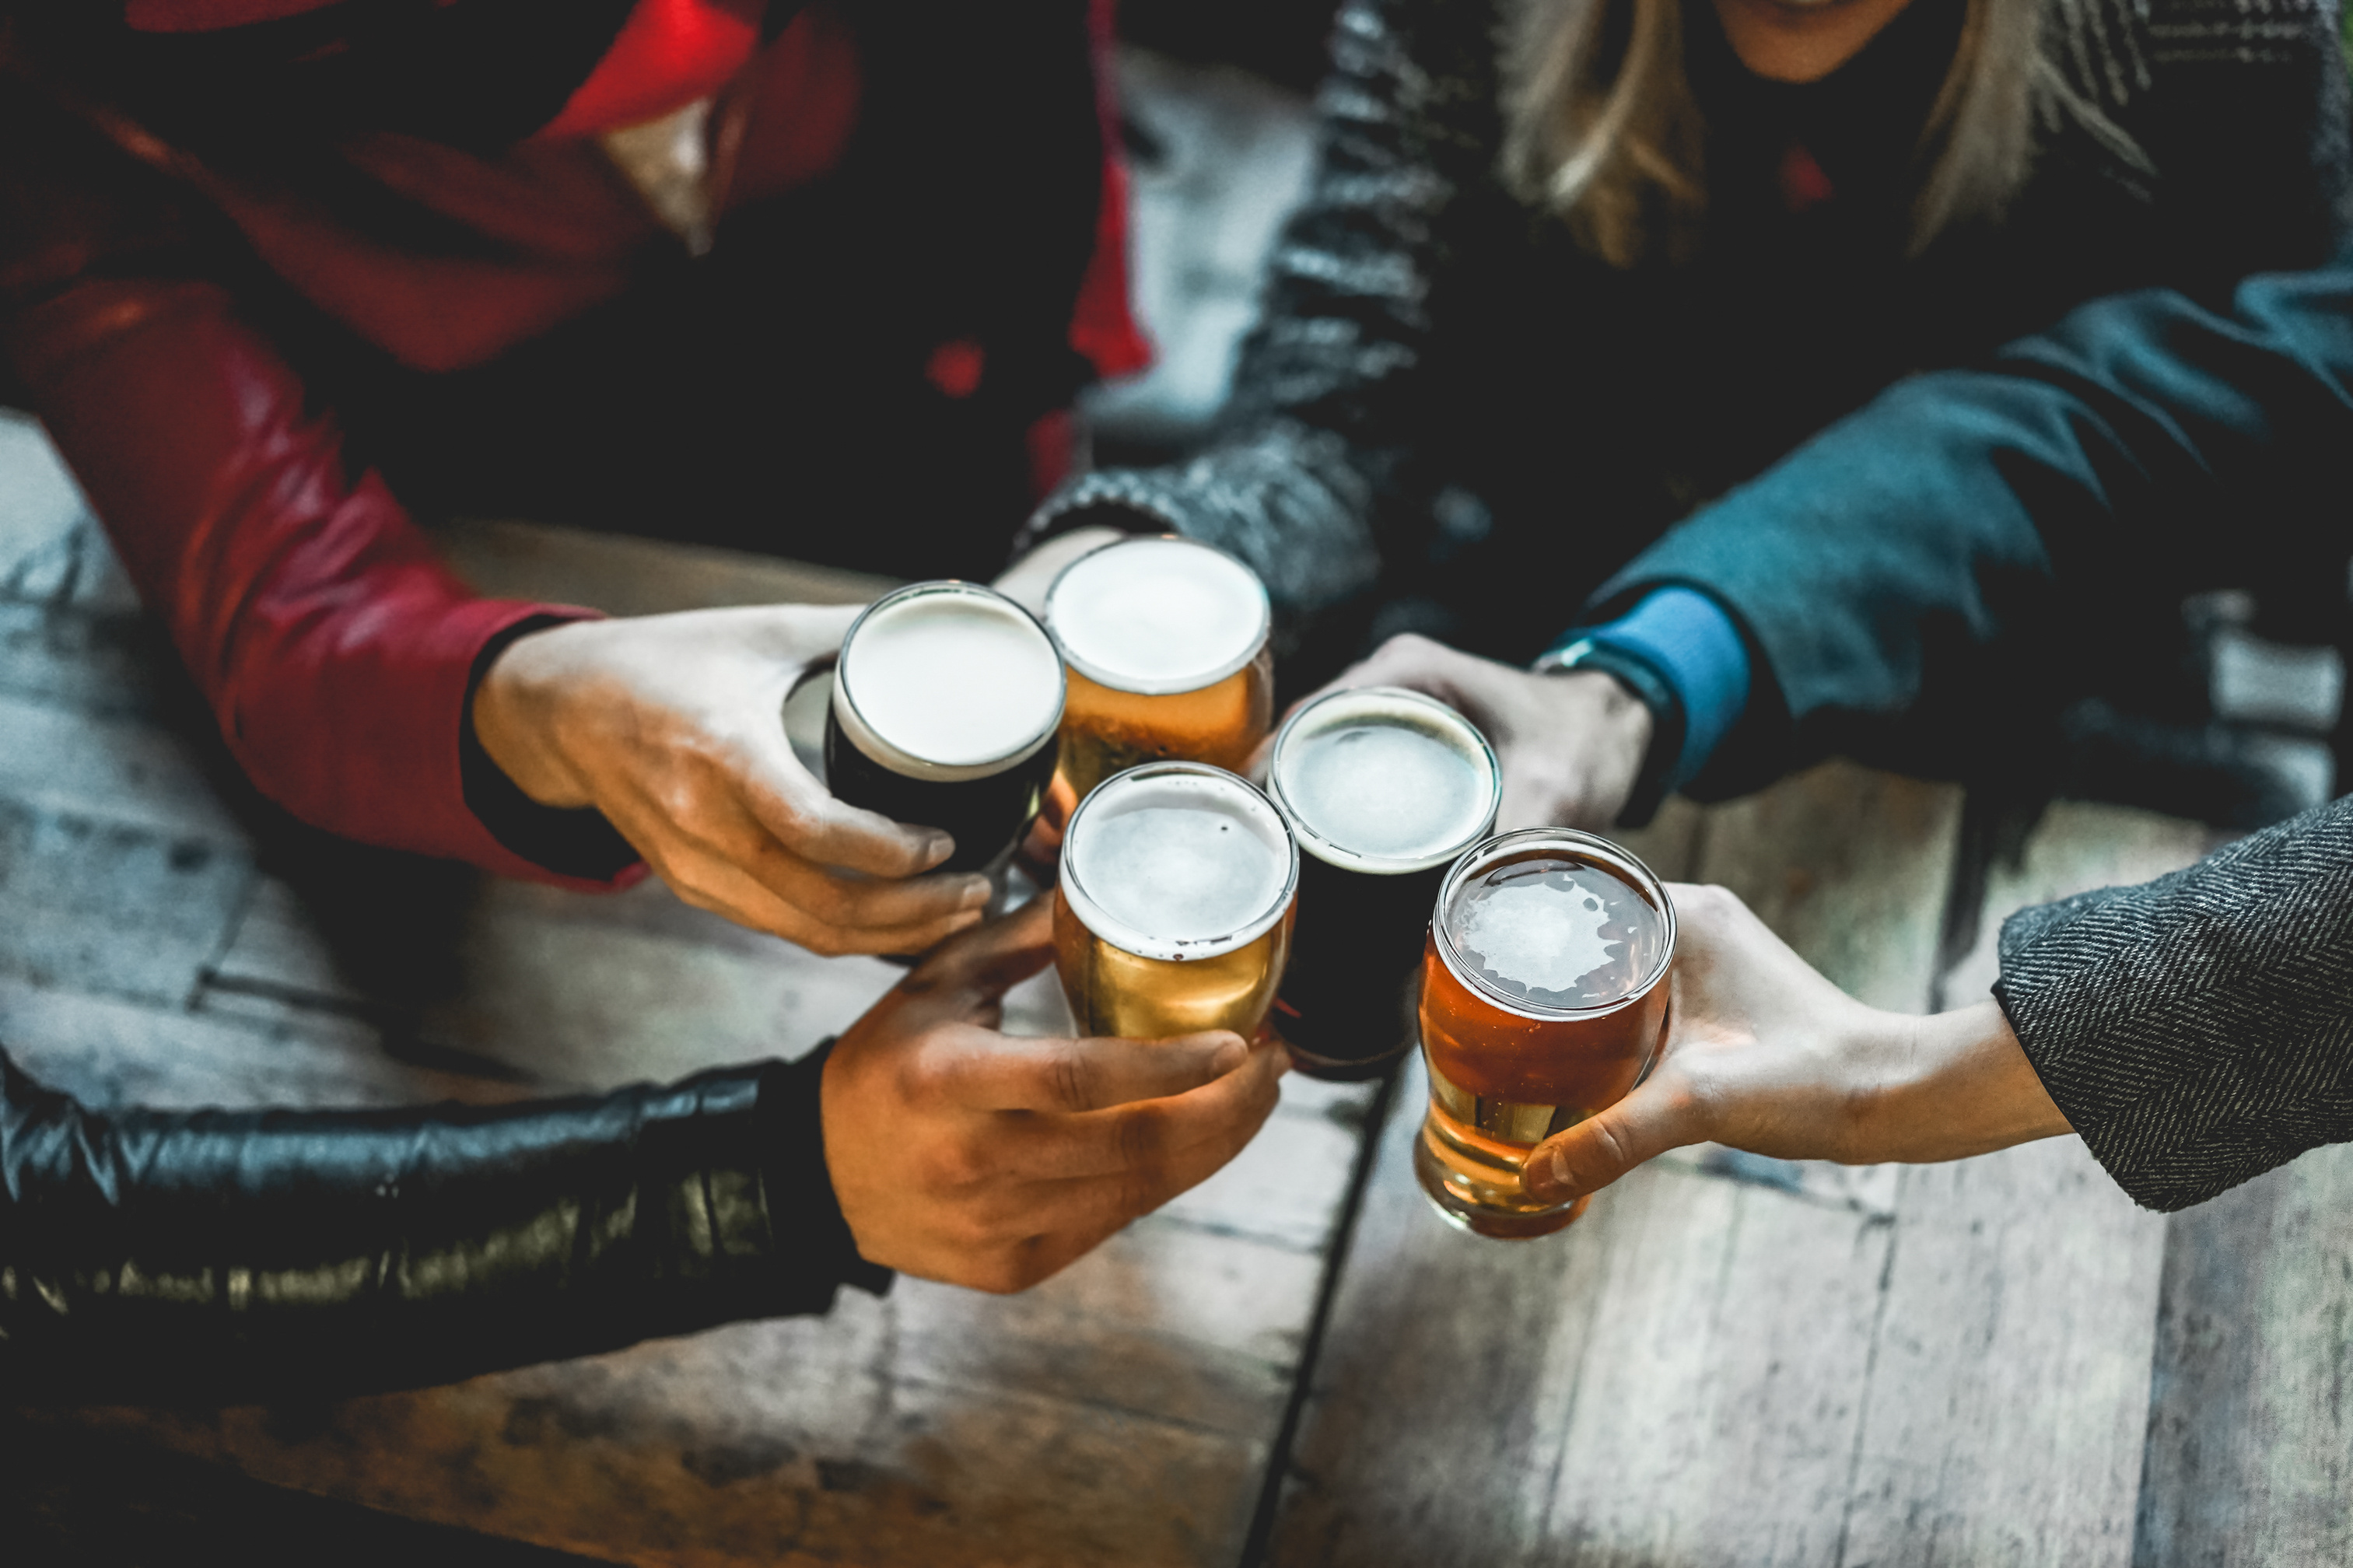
{"x": 335, "y": 648}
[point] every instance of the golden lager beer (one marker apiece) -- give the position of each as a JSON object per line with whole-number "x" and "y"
{"x": 1166, "y": 643}
{"x": 1542, "y": 1002}
{"x": 946, "y": 699}
{"x": 1173, "y": 910}
{"x": 1384, "y": 789}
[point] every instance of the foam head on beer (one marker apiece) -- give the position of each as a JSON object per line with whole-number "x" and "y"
{"x": 1177, "y": 862}
{"x": 949, "y": 678}
{"x": 1557, "y": 931}
{"x": 1157, "y": 616}
{"x": 1382, "y": 779}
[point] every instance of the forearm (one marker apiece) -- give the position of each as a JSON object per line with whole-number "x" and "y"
{"x": 335, "y": 648}
{"x": 234, "y": 1256}
{"x": 1921, "y": 557}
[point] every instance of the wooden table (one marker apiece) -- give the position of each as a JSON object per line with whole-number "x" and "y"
{"x": 1730, "y": 1360}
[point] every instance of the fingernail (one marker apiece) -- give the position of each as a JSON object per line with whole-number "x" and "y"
{"x": 976, "y": 893}
{"x": 1543, "y": 1176}
{"x": 1229, "y": 1057}
{"x": 937, "y": 847}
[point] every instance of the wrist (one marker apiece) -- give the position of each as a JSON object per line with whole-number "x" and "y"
{"x": 517, "y": 711}
{"x": 1957, "y": 1084}
{"x": 1619, "y": 726}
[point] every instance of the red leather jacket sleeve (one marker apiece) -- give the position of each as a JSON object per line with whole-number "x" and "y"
{"x": 335, "y": 648}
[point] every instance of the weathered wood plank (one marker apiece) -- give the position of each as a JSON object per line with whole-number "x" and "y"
{"x": 1681, "y": 1376}
{"x": 75, "y": 1499}
{"x": 114, "y": 908}
{"x": 120, "y": 769}
{"x": 2010, "y": 1376}
{"x": 2010, "y": 1379}
{"x": 52, "y": 551}
{"x": 2249, "y": 1457}
{"x": 626, "y": 576}
{"x": 1850, "y": 867}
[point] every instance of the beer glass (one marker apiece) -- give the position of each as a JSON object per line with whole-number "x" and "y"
{"x": 1542, "y": 1002}
{"x": 946, "y": 697}
{"x": 1173, "y": 911}
{"x": 1384, "y": 789}
{"x": 1166, "y": 640}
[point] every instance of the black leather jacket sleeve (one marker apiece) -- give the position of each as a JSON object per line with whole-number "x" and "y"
{"x": 232, "y": 1256}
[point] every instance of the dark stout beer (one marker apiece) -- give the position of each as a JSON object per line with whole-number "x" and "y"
{"x": 1384, "y": 788}
{"x": 1542, "y": 1002}
{"x": 945, "y": 701}
{"x": 1173, "y": 911}
{"x": 1167, "y": 643}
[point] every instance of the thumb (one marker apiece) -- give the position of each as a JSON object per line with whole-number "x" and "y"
{"x": 1603, "y": 1147}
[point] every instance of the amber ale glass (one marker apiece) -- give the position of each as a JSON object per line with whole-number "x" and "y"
{"x": 946, "y": 699}
{"x": 1172, "y": 912}
{"x": 1166, "y": 640}
{"x": 1542, "y": 1000}
{"x": 1384, "y": 789}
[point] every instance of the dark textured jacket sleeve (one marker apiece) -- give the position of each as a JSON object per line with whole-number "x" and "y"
{"x": 1907, "y": 565}
{"x": 2197, "y": 1030}
{"x": 1304, "y": 480}
{"x": 227, "y": 1257}
{"x": 1912, "y": 565}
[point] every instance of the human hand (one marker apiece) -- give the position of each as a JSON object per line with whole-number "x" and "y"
{"x": 674, "y": 727}
{"x": 1025, "y": 581}
{"x": 1571, "y": 745}
{"x": 1763, "y": 1054}
{"x": 980, "y": 1159}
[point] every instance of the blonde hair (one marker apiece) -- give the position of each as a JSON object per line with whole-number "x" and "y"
{"x": 1602, "y": 129}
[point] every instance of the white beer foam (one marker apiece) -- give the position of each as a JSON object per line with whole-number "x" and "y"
{"x": 1157, "y": 614}
{"x": 953, "y": 679}
{"x": 1536, "y": 934}
{"x": 1177, "y": 860}
{"x": 1387, "y": 791}
{"x": 1181, "y": 874}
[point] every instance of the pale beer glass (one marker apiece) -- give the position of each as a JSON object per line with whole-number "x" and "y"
{"x": 1166, "y": 643}
{"x": 1384, "y": 789}
{"x": 1172, "y": 913}
{"x": 947, "y": 700}
{"x": 1544, "y": 999}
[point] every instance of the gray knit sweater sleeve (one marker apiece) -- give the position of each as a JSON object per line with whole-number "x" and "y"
{"x": 2197, "y": 1030}
{"x": 1302, "y": 482}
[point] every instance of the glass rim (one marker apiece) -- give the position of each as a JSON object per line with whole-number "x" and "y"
{"x": 1311, "y": 842}
{"x": 1170, "y": 688}
{"x": 1485, "y": 853}
{"x": 886, "y": 754}
{"x": 1143, "y": 944}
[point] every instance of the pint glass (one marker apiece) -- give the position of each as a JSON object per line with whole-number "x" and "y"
{"x": 1542, "y": 1002}
{"x": 1166, "y": 643}
{"x": 945, "y": 701}
{"x": 1384, "y": 788}
{"x": 1172, "y": 913}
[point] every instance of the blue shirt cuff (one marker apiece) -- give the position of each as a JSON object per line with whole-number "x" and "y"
{"x": 1690, "y": 641}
